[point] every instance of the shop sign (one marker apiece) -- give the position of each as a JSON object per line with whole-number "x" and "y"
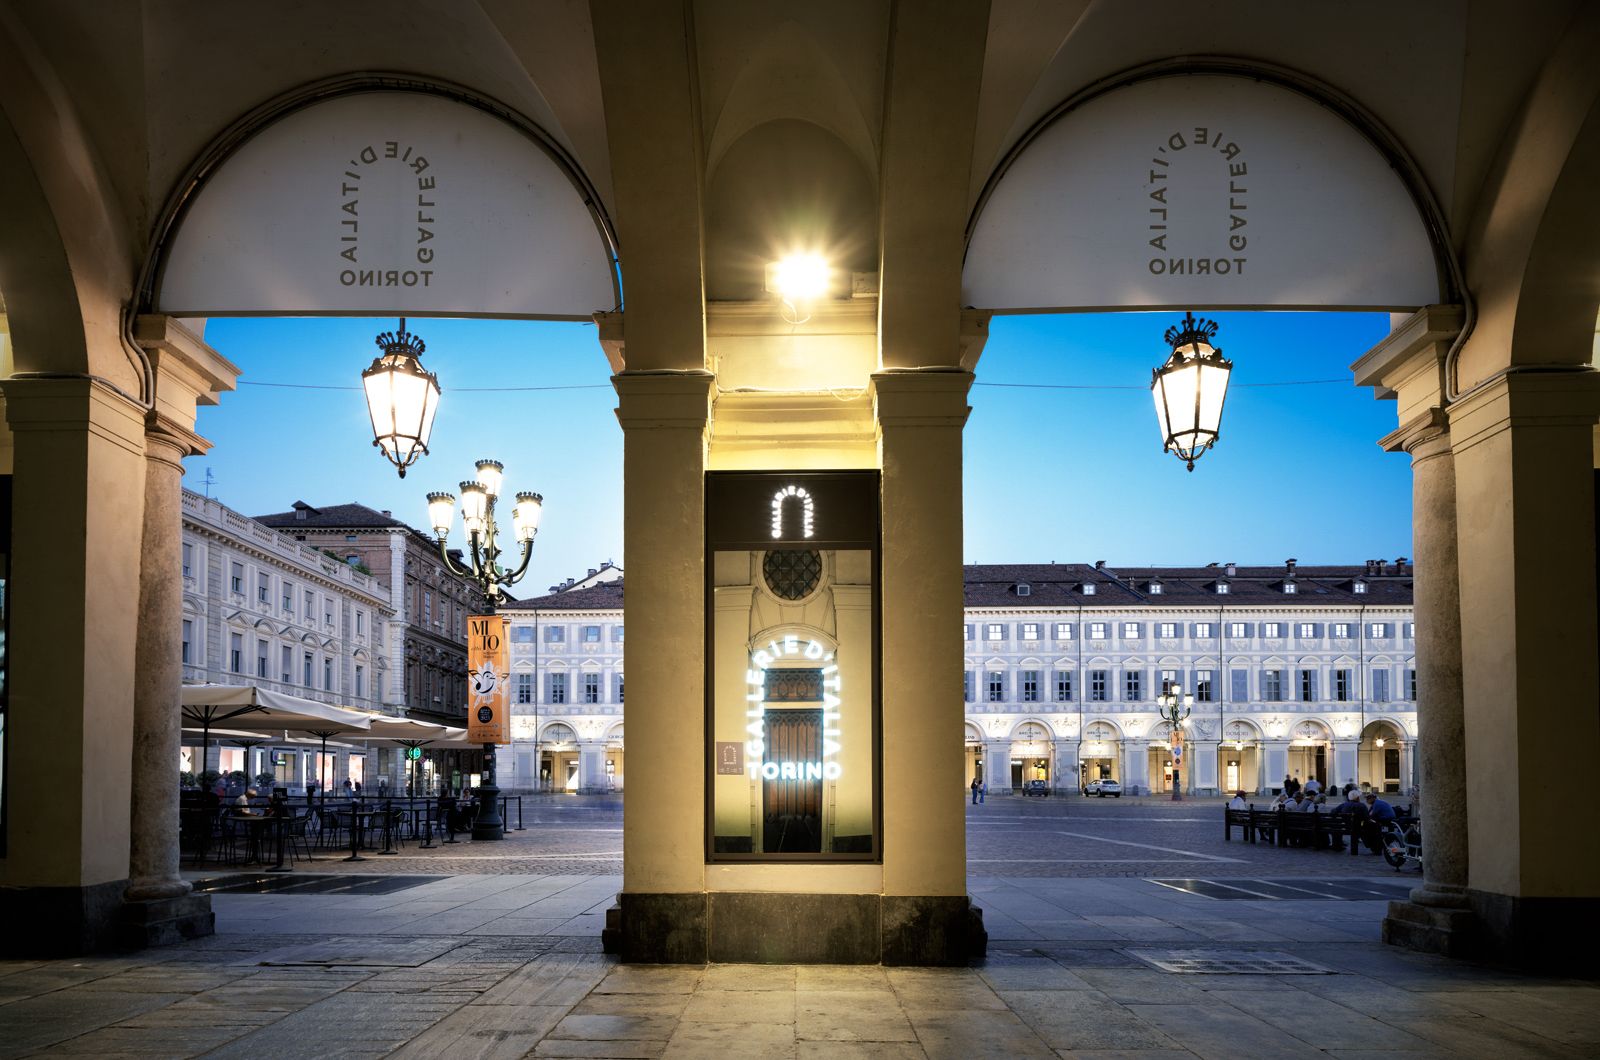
{"x": 488, "y": 677}
{"x": 1200, "y": 191}
{"x": 384, "y": 204}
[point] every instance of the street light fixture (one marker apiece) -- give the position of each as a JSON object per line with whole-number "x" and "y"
{"x": 1175, "y": 708}
{"x": 477, "y": 515}
{"x": 402, "y": 398}
{"x": 1190, "y": 388}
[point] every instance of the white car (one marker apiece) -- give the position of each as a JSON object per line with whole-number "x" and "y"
{"x": 1103, "y": 788}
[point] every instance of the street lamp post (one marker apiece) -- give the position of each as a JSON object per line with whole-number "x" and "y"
{"x": 483, "y": 569}
{"x": 1175, "y": 708}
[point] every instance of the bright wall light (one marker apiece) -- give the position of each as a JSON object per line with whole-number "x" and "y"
{"x": 799, "y": 277}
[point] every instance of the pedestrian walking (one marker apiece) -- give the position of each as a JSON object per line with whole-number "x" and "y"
{"x": 975, "y": 786}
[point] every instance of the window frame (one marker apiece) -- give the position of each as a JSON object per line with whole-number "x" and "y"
{"x": 1030, "y": 686}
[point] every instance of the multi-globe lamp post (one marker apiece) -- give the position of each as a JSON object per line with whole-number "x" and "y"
{"x": 1175, "y": 708}
{"x": 483, "y": 569}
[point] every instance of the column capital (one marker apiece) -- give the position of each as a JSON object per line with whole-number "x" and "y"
{"x": 188, "y": 372}
{"x": 169, "y": 441}
{"x": 921, "y": 397}
{"x": 1433, "y": 424}
{"x": 1526, "y": 399}
{"x": 667, "y": 398}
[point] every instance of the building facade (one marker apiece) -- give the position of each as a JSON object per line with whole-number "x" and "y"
{"x": 566, "y": 691}
{"x": 429, "y": 636}
{"x": 1307, "y": 672}
{"x": 261, "y": 608}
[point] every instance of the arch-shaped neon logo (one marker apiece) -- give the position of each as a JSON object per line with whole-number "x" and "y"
{"x": 807, "y": 510}
{"x": 756, "y": 746}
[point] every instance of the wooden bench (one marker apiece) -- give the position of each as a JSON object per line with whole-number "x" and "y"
{"x": 1280, "y": 826}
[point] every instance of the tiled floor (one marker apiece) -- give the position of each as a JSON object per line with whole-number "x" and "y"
{"x": 507, "y": 967}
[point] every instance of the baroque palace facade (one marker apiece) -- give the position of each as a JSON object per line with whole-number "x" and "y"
{"x": 1295, "y": 671}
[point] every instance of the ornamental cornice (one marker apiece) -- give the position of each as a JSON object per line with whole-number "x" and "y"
{"x": 259, "y": 553}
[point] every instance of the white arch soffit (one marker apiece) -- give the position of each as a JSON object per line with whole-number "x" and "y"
{"x": 384, "y": 197}
{"x": 1286, "y": 202}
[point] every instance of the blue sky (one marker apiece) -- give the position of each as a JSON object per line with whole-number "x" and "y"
{"x": 1069, "y": 475}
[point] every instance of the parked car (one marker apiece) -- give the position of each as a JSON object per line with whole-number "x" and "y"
{"x": 1036, "y": 787}
{"x": 1103, "y": 788}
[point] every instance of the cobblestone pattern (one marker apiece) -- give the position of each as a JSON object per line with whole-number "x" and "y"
{"x": 1005, "y": 837}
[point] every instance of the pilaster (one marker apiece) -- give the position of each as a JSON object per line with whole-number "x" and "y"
{"x": 1525, "y": 498}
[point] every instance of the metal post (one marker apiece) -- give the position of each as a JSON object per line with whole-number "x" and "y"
{"x": 488, "y": 825}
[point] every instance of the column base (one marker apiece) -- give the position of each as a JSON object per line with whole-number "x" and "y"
{"x": 164, "y": 921}
{"x": 1430, "y": 929}
{"x": 60, "y": 921}
{"x": 757, "y": 927}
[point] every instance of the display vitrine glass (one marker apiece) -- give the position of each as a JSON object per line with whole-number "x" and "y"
{"x": 793, "y": 662}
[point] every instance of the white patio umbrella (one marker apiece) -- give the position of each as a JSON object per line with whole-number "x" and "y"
{"x": 263, "y": 710}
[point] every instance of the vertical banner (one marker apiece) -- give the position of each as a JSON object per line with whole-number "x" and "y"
{"x": 488, "y": 668}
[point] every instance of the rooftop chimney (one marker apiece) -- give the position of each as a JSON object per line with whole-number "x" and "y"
{"x": 592, "y": 572}
{"x": 1289, "y": 563}
{"x": 1233, "y": 569}
{"x": 1099, "y": 564}
{"x": 1380, "y": 567}
{"x": 1399, "y": 564}
{"x": 388, "y": 513}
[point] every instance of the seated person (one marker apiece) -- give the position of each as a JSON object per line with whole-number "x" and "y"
{"x": 1352, "y": 808}
{"x": 1378, "y": 809}
{"x": 1238, "y": 802}
{"x": 241, "y": 805}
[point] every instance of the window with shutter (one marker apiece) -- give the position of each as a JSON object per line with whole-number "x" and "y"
{"x": 1380, "y": 686}
{"x": 1238, "y": 630}
{"x": 1063, "y": 686}
{"x": 1132, "y": 686}
{"x": 970, "y": 682}
{"x": 1030, "y": 686}
{"x": 1272, "y": 686}
{"x": 1170, "y": 682}
{"x": 997, "y": 686}
{"x": 1169, "y": 630}
{"x": 1097, "y": 631}
{"x": 1341, "y": 685}
{"x": 1064, "y": 630}
{"x": 1308, "y": 686}
{"x": 1240, "y": 692}
{"x": 1097, "y": 685}
{"x": 1202, "y": 686}
{"x": 1130, "y": 631}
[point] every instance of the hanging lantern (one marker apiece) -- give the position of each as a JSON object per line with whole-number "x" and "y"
{"x": 401, "y": 398}
{"x": 1189, "y": 389}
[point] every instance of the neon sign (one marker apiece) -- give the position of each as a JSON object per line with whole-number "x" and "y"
{"x": 756, "y": 678}
{"x": 807, "y": 510}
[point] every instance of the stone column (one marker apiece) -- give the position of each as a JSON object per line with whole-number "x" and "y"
{"x": 1437, "y": 916}
{"x": 927, "y": 917}
{"x": 158, "y": 669}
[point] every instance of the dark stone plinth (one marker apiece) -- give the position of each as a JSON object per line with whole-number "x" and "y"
{"x": 939, "y": 930}
{"x": 1427, "y": 929}
{"x": 1544, "y": 934}
{"x": 59, "y": 921}
{"x": 755, "y": 927}
{"x": 745, "y": 927}
{"x": 163, "y": 921}
{"x": 662, "y": 928}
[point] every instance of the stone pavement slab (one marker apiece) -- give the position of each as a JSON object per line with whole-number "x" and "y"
{"x": 387, "y": 990}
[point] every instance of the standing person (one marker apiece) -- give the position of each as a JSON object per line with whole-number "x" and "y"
{"x": 347, "y": 786}
{"x": 975, "y": 786}
{"x": 1291, "y": 786}
{"x": 983, "y": 791}
{"x": 1313, "y": 786}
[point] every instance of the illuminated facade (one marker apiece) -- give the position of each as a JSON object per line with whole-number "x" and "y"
{"x": 1296, "y": 671}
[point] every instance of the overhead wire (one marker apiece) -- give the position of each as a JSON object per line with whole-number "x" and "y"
{"x": 607, "y": 386}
